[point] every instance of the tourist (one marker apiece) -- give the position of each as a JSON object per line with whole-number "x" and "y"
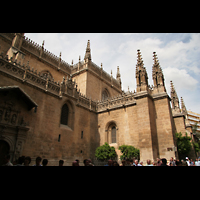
{"x": 7, "y": 161}
{"x": 110, "y": 163}
{"x": 164, "y": 162}
{"x": 128, "y": 163}
{"x": 184, "y": 163}
{"x": 137, "y": 164}
{"x": 90, "y": 162}
{"x": 172, "y": 162}
{"x": 154, "y": 163}
{"x": 123, "y": 163}
{"x": 38, "y": 161}
{"x": 20, "y": 161}
{"x": 188, "y": 161}
{"x": 149, "y": 163}
{"x": 44, "y": 162}
{"x": 115, "y": 163}
{"x": 159, "y": 162}
{"x": 197, "y": 162}
{"x": 61, "y": 162}
{"x": 191, "y": 162}
{"x": 27, "y": 161}
{"x": 86, "y": 162}
{"x": 75, "y": 163}
{"x": 141, "y": 163}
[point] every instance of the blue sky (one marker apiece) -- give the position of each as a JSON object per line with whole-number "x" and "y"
{"x": 178, "y": 54}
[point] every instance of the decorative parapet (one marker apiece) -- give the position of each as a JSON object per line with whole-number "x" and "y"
{"x": 46, "y": 55}
{"x": 78, "y": 67}
{"x": 27, "y": 75}
{"x": 122, "y": 101}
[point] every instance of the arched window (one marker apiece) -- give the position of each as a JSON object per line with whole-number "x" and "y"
{"x": 111, "y": 132}
{"x": 113, "y": 135}
{"x": 105, "y": 95}
{"x": 64, "y": 115}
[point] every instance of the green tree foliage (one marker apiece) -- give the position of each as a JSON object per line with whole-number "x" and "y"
{"x": 196, "y": 147}
{"x": 129, "y": 152}
{"x": 183, "y": 143}
{"x": 105, "y": 152}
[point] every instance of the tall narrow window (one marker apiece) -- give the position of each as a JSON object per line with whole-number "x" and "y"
{"x": 113, "y": 134}
{"x": 81, "y": 134}
{"x": 64, "y": 115}
{"x": 59, "y": 138}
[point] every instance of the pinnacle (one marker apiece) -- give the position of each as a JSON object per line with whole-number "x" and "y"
{"x": 88, "y": 53}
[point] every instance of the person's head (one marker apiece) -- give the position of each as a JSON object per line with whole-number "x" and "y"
{"x": 61, "y": 162}
{"x": 27, "y": 161}
{"x": 164, "y": 161}
{"x": 21, "y": 160}
{"x": 171, "y": 159}
{"x": 110, "y": 162}
{"x": 44, "y": 162}
{"x": 123, "y": 162}
{"x": 136, "y": 162}
{"x": 141, "y": 163}
{"x": 86, "y": 162}
{"x": 38, "y": 161}
{"x": 77, "y": 161}
{"x": 148, "y": 162}
{"x": 74, "y": 163}
{"x": 128, "y": 161}
{"x": 115, "y": 163}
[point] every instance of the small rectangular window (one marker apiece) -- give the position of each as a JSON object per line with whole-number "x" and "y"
{"x": 81, "y": 134}
{"x": 59, "y": 138}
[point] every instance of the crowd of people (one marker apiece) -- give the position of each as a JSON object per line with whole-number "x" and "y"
{"x": 25, "y": 161}
{"x": 159, "y": 162}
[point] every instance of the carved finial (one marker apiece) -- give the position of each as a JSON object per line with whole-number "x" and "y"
{"x": 88, "y": 53}
{"x": 79, "y": 59}
{"x": 183, "y": 108}
{"x": 139, "y": 59}
{"x": 174, "y": 97}
{"x": 43, "y": 43}
{"x": 72, "y": 62}
{"x": 111, "y": 72}
{"x": 60, "y": 55}
{"x": 101, "y": 66}
{"x": 118, "y": 73}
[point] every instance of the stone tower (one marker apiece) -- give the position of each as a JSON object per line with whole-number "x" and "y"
{"x": 157, "y": 75}
{"x": 141, "y": 74}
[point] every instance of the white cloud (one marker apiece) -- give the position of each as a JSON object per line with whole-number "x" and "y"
{"x": 181, "y": 79}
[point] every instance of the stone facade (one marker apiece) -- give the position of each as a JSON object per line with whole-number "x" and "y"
{"x": 36, "y": 85}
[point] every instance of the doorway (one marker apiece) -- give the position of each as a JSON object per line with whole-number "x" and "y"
{"x": 4, "y": 150}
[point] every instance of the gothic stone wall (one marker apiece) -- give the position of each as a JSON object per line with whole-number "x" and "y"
{"x": 42, "y": 138}
{"x": 146, "y": 125}
{"x": 165, "y": 128}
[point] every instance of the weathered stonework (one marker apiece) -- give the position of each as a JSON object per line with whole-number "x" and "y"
{"x": 98, "y": 110}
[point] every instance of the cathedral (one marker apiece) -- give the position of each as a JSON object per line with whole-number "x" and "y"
{"x": 56, "y": 110}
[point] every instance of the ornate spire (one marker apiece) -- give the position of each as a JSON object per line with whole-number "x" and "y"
{"x": 60, "y": 56}
{"x": 174, "y": 98}
{"x": 183, "y": 108}
{"x": 157, "y": 75}
{"x": 88, "y": 51}
{"x": 43, "y": 44}
{"x": 118, "y": 76}
{"x": 141, "y": 74}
